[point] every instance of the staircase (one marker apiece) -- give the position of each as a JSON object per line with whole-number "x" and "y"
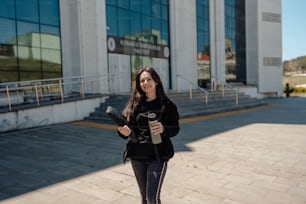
{"x": 188, "y": 105}
{"x": 216, "y": 102}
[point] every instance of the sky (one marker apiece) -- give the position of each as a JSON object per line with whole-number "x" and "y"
{"x": 293, "y": 28}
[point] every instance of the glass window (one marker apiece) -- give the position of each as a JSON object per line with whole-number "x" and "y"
{"x": 203, "y": 47}
{"x": 28, "y": 34}
{"x": 50, "y": 30}
{"x": 235, "y": 46}
{"x": 49, "y": 12}
{"x": 7, "y": 9}
{"x": 29, "y": 26}
{"x": 200, "y": 10}
{"x": 145, "y": 20}
{"x": 146, "y": 23}
{"x": 111, "y": 2}
{"x": 111, "y": 20}
{"x": 156, "y": 24}
{"x": 29, "y": 58}
{"x": 24, "y": 76}
{"x": 146, "y": 7}
{"x": 9, "y": 62}
{"x": 49, "y": 75}
{"x": 8, "y": 31}
{"x": 165, "y": 32}
{"x": 124, "y": 22}
{"x": 164, "y": 12}
{"x": 51, "y": 60}
{"x": 140, "y": 18}
{"x": 27, "y": 10}
{"x": 124, "y": 4}
{"x": 8, "y": 76}
{"x": 135, "y": 5}
{"x": 50, "y": 37}
{"x": 156, "y": 10}
{"x": 136, "y": 25}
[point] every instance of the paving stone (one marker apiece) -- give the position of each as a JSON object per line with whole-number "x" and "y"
{"x": 249, "y": 157}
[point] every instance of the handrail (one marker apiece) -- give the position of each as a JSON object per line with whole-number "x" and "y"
{"x": 191, "y": 84}
{"x": 37, "y": 91}
{"x": 231, "y": 88}
{"x": 213, "y": 83}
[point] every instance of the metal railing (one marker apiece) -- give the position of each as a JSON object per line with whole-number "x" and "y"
{"x": 192, "y": 86}
{"x": 230, "y": 87}
{"x": 46, "y": 90}
{"x": 214, "y": 87}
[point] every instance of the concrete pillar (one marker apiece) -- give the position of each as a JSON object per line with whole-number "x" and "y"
{"x": 183, "y": 43}
{"x": 217, "y": 41}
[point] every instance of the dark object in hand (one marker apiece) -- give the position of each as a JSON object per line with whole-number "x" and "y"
{"x": 116, "y": 116}
{"x": 119, "y": 120}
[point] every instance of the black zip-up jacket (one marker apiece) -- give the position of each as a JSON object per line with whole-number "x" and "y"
{"x": 140, "y": 147}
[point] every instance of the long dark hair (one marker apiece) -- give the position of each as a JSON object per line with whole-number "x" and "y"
{"x": 138, "y": 95}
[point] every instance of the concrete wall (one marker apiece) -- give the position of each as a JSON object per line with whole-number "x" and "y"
{"x": 264, "y": 45}
{"x": 183, "y": 42}
{"x": 47, "y": 115}
{"x": 83, "y": 32}
{"x": 270, "y": 50}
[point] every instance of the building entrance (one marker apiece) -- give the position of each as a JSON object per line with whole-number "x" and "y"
{"x": 119, "y": 73}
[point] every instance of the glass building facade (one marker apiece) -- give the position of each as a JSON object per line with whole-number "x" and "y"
{"x": 235, "y": 46}
{"x": 139, "y": 29}
{"x": 30, "y": 45}
{"x": 203, "y": 47}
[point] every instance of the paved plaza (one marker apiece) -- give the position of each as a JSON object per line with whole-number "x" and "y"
{"x": 255, "y": 156}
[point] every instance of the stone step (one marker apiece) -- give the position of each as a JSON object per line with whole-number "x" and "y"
{"x": 187, "y": 107}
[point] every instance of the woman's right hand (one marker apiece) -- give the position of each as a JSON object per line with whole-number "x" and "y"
{"x": 124, "y": 130}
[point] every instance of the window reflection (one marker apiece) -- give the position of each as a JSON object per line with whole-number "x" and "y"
{"x": 7, "y": 76}
{"x": 8, "y": 31}
{"x": 8, "y": 60}
{"x": 136, "y": 26}
{"x": 112, "y": 20}
{"x": 27, "y": 10}
{"x": 123, "y": 4}
{"x": 50, "y": 41}
{"x": 135, "y": 5}
{"x": 30, "y": 39}
{"x": 146, "y": 23}
{"x": 123, "y": 21}
{"x": 203, "y": 47}
{"x": 51, "y": 60}
{"x": 139, "y": 28}
{"x": 28, "y": 34}
{"x": 146, "y": 7}
{"x": 127, "y": 18}
{"x": 235, "y": 40}
{"x": 30, "y": 75}
{"x": 29, "y": 58}
{"x": 49, "y": 12}
{"x": 7, "y": 9}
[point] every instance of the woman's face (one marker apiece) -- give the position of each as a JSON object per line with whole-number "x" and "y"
{"x": 147, "y": 84}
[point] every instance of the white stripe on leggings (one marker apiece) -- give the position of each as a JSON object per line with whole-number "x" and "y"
{"x": 161, "y": 179}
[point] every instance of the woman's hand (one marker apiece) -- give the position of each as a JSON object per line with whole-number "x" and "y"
{"x": 124, "y": 130}
{"x": 157, "y": 128}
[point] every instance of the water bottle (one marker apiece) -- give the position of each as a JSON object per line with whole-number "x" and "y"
{"x": 156, "y": 138}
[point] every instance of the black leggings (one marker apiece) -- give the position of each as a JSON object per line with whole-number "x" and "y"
{"x": 149, "y": 176}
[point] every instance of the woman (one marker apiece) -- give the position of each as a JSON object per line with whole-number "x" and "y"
{"x": 148, "y": 160}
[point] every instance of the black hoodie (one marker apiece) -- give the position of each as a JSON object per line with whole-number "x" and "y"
{"x": 142, "y": 148}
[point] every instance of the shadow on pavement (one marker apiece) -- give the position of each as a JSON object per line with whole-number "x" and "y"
{"x": 35, "y": 158}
